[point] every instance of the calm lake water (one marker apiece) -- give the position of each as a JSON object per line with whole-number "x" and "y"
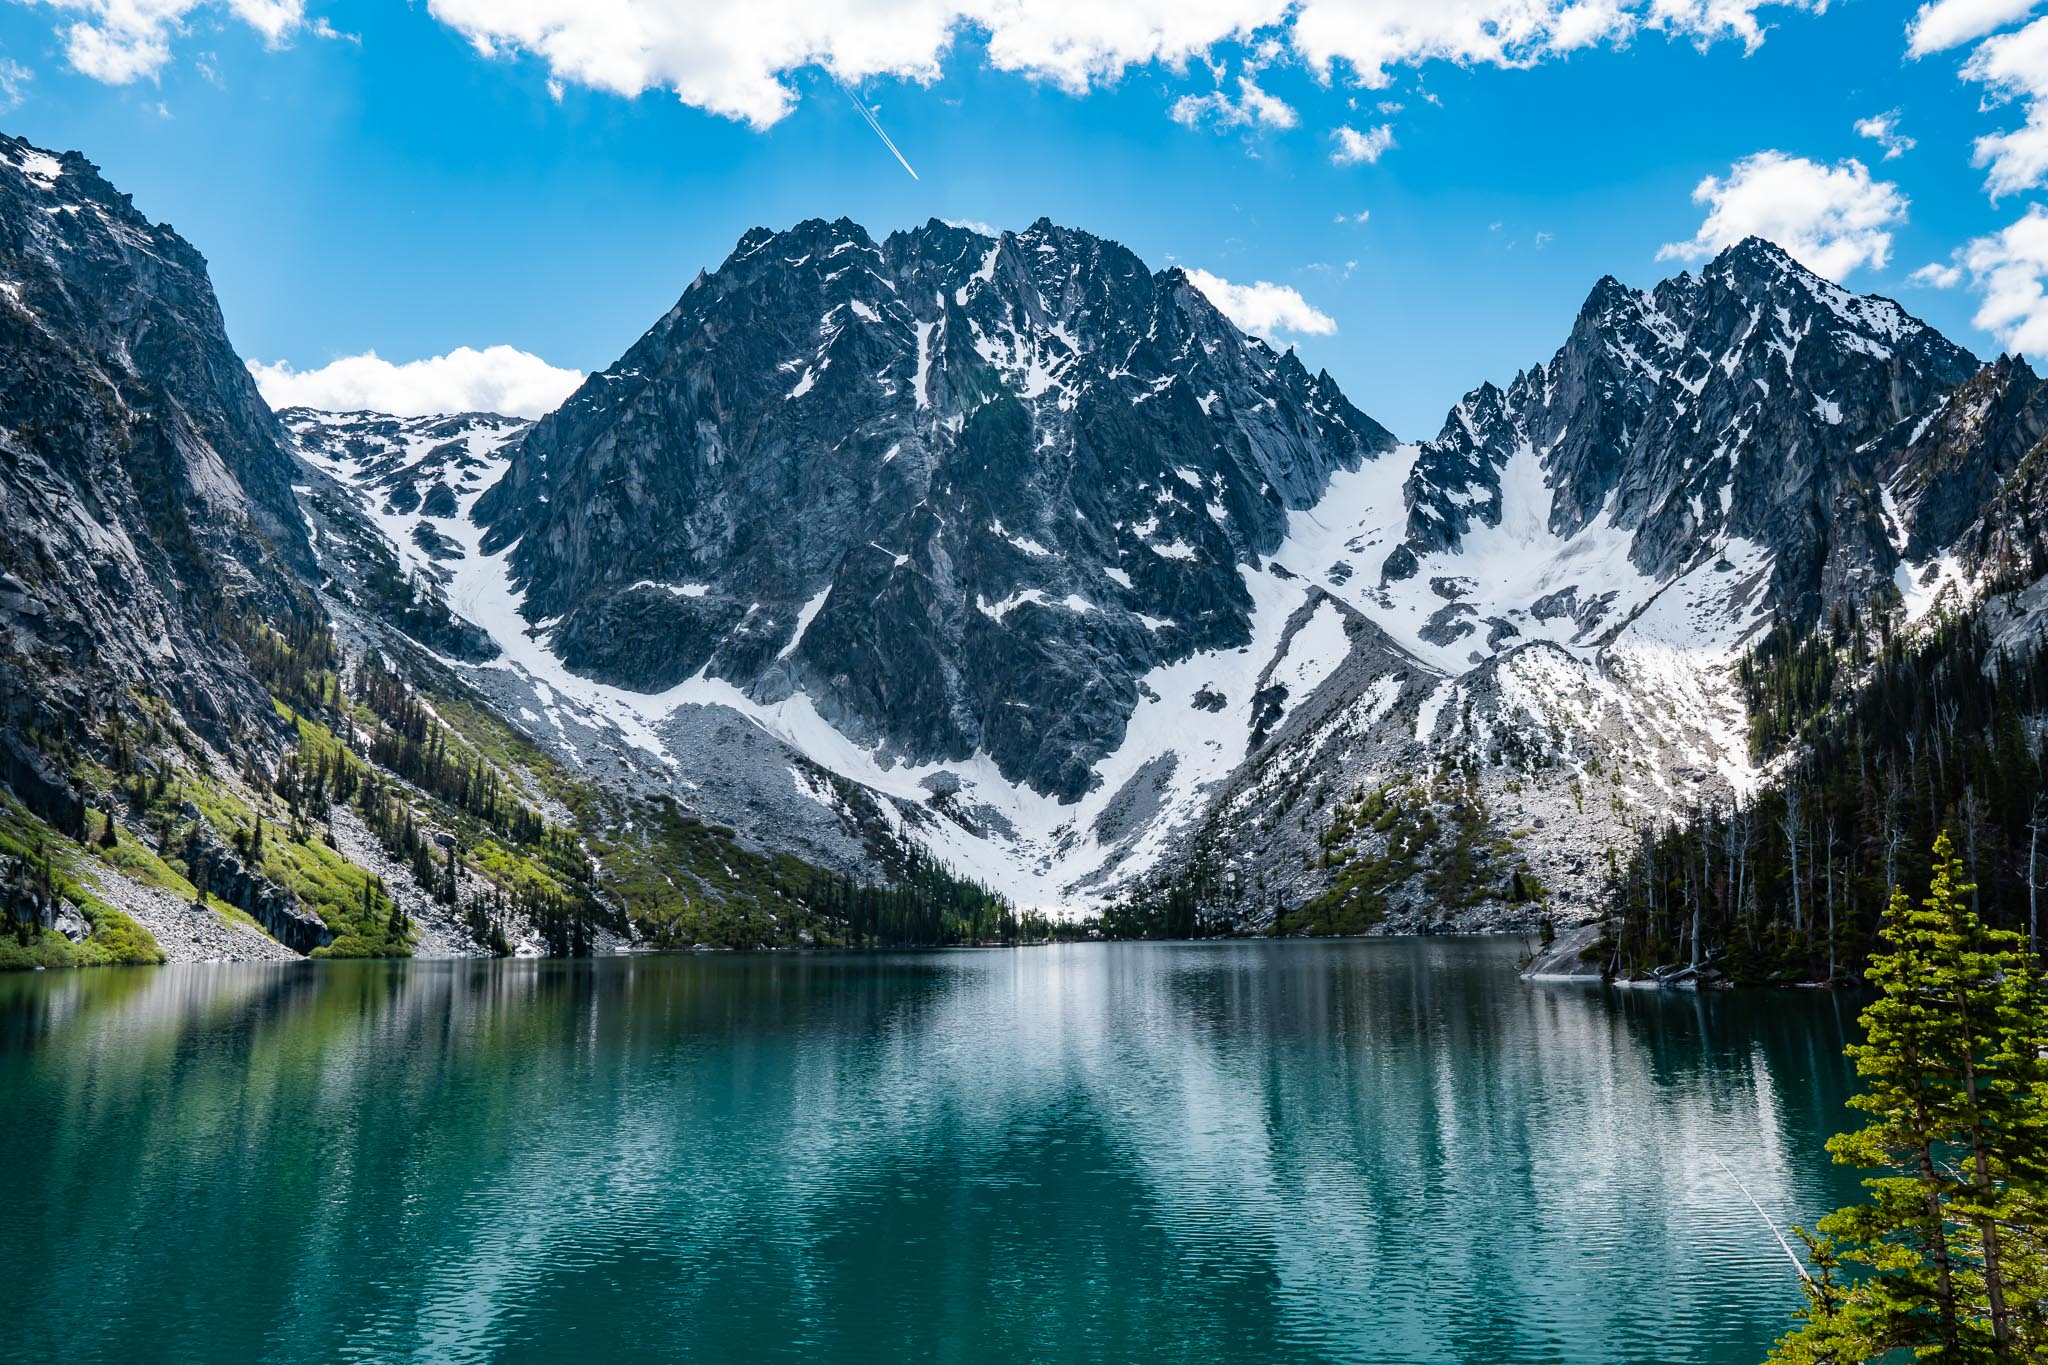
{"x": 1382, "y": 1151}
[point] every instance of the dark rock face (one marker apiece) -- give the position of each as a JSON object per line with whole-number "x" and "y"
{"x": 1731, "y": 403}
{"x": 269, "y": 904}
{"x": 961, "y": 491}
{"x": 121, "y": 321}
{"x": 1960, "y": 474}
{"x": 146, "y": 487}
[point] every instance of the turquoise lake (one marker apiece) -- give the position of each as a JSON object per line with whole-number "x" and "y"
{"x": 1365, "y": 1150}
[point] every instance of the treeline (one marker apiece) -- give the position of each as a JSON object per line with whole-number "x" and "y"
{"x": 417, "y": 606}
{"x": 1899, "y": 737}
{"x": 389, "y": 742}
{"x": 294, "y": 655}
{"x": 28, "y": 894}
{"x": 1189, "y": 903}
{"x": 925, "y": 906}
{"x": 403, "y": 744}
{"x": 418, "y": 748}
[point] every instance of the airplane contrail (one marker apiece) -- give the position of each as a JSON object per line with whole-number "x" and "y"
{"x": 875, "y": 124}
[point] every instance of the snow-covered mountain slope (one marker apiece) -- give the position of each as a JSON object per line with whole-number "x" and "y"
{"x": 393, "y": 529}
{"x": 1532, "y": 684}
{"x": 1728, "y": 404}
{"x": 389, "y": 500}
{"x": 1026, "y": 554}
{"x": 1322, "y": 653}
{"x": 1188, "y": 732}
{"x": 955, "y": 493}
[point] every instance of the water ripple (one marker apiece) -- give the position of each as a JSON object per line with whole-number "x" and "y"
{"x": 1258, "y": 1152}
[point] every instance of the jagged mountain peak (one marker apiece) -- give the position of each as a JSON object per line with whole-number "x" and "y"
{"x": 1713, "y": 408}
{"x": 1029, "y": 541}
{"x": 1754, "y": 252}
{"x": 1022, "y": 469}
{"x": 1795, "y": 301}
{"x": 1609, "y": 298}
{"x": 1010, "y": 544}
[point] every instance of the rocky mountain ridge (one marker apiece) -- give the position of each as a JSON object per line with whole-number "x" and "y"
{"x": 1555, "y": 587}
{"x": 958, "y": 493}
{"x": 1005, "y": 547}
{"x": 1726, "y": 405}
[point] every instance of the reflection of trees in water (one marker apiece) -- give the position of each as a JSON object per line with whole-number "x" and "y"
{"x": 1438, "y": 1158}
{"x": 1268, "y": 1147}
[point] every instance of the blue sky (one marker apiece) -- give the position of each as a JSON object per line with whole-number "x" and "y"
{"x": 361, "y": 177}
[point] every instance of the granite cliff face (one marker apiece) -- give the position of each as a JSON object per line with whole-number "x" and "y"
{"x": 1730, "y": 404}
{"x": 181, "y": 767}
{"x": 1964, "y": 476}
{"x": 147, "y": 489}
{"x": 959, "y": 492}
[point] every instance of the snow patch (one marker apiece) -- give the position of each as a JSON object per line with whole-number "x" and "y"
{"x": 804, "y": 617}
{"x": 40, "y": 167}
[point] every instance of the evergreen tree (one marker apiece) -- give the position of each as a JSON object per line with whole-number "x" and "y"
{"x": 1953, "y": 1069}
{"x": 396, "y": 926}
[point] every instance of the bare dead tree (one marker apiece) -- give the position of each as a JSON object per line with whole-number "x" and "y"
{"x": 1831, "y": 896}
{"x": 1791, "y": 826}
{"x": 1894, "y": 835}
{"x": 1739, "y": 838}
{"x": 1974, "y": 815}
{"x": 1704, "y": 822}
{"x": 2035, "y": 825}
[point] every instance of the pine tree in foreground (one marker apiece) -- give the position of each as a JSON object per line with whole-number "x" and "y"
{"x": 1945, "y": 1260}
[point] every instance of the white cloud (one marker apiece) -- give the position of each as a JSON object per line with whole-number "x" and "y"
{"x": 1374, "y": 38}
{"x": 1883, "y": 129}
{"x": 1363, "y": 215}
{"x": 733, "y": 57}
{"x": 1830, "y": 218}
{"x": 2015, "y": 67}
{"x": 736, "y": 58}
{"x": 1354, "y": 146}
{"x": 2010, "y": 269}
{"x": 1263, "y": 309}
{"x": 1935, "y": 275}
{"x": 14, "y": 79}
{"x": 1252, "y": 108}
{"x": 1945, "y": 24}
{"x": 121, "y": 41}
{"x": 495, "y": 379}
